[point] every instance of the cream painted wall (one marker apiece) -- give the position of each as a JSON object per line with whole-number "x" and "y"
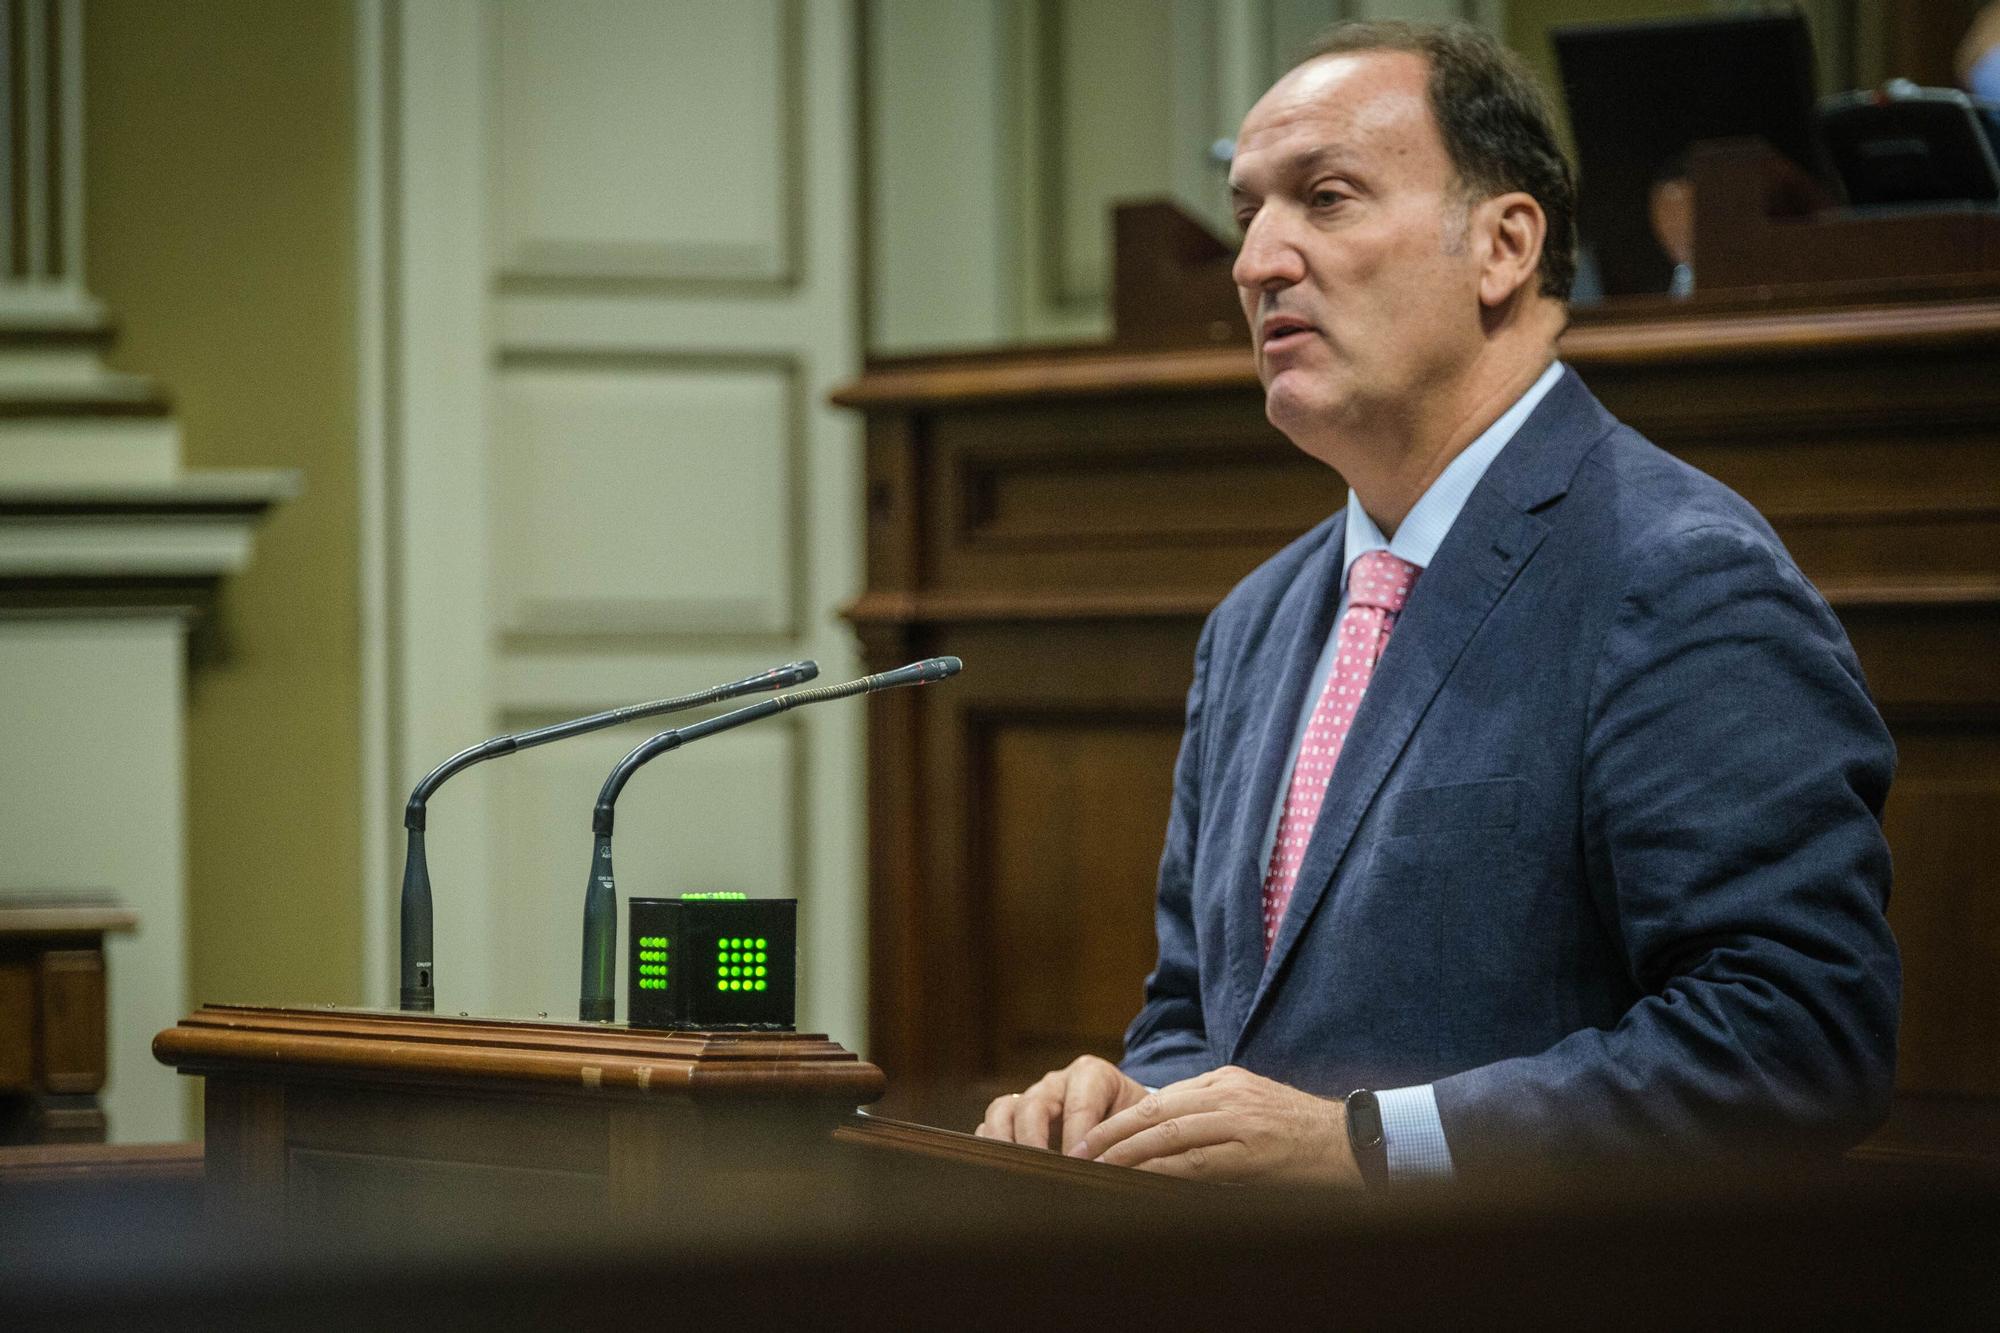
{"x": 624, "y": 279}
{"x": 91, "y": 742}
{"x": 1001, "y": 132}
{"x": 220, "y": 185}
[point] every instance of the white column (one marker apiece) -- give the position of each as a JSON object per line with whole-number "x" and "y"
{"x": 41, "y": 148}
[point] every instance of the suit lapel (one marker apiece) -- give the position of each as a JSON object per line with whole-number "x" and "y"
{"x": 1489, "y": 544}
{"x": 1308, "y": 607}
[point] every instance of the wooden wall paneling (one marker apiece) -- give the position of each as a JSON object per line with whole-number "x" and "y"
{"x": 1076, "y": 802}
{"x": 1092, "y": 498}
{"x": 1028, "y": 928}
{"x": 18, "y": 1021}
{"x": 897, "y": 796}
{"x": 1943, "y": 821}
{"x": 72, "y": 1012}
{"x": 243, "y": 1137}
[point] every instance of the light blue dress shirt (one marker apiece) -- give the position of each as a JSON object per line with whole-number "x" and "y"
{"x": 1411, "y": 1129}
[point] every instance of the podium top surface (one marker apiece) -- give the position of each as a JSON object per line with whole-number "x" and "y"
{"x": 585, "y": 1059}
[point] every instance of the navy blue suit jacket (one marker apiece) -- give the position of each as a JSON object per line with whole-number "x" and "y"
{"x": 1601, "y": 858}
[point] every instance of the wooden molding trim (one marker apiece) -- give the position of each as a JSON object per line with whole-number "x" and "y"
{"x": 1738, "y": 336}
{"x": 888, "y": 608}
{"x": 105, "y": 1163}
{"x": 1858, "y": 594}
{"x": 54, "y": 919}
{"x": 1677, "y": 337}
{"x": 577, "y": 1058}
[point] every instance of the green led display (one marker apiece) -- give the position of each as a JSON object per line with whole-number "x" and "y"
{"x": 724, "y": 896}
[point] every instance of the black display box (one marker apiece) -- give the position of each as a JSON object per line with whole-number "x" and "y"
{"x": 702, "y": 962}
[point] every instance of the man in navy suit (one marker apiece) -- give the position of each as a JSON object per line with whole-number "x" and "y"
{"x": 1536, "y": 794}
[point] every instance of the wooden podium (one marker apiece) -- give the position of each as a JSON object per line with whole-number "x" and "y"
{"x": 332, "y": 1116}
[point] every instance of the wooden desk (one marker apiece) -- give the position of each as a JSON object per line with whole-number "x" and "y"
{"x": 52, "y": 1016}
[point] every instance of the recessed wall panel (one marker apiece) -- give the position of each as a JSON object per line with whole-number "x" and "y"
{"x": 1111, "y": 141}
{"x": 644, "y": 499}
{"x": 645, "y": 140}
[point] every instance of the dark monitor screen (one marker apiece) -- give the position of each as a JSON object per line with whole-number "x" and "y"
{"x": 1640, "y": 94}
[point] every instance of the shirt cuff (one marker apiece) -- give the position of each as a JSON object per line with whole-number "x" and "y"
{"x": 1414, "y": 1135}
{"x": 1984, "y": 79}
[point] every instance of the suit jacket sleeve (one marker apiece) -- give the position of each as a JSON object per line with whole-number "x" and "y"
{"x": 1168, "y": 1042}
{"x": 1733, "y": 777}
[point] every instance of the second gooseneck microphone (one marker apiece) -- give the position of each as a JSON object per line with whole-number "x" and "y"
{"x": 419, "y": 980}
{"x": 600, "y": 906}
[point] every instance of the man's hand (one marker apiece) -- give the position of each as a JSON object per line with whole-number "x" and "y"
{"x": 1078, "y": 1097}
{"x": 1230, "y": 1124}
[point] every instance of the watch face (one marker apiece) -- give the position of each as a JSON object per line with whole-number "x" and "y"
{"x": 1364, "y": 1119}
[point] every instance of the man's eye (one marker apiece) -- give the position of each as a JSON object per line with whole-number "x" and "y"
{"x": 1327, "y": 198}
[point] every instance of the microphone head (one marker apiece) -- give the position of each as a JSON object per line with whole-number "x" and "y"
{"x": 916, "y": 673}
{"x": 792, "y": 673}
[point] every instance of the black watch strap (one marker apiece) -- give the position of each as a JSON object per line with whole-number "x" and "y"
{"x": 1364, "y": 1135}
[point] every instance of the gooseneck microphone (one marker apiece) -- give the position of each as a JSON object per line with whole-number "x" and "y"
{"x": 595, "y": 1004}
{"x": 419, "y": 983}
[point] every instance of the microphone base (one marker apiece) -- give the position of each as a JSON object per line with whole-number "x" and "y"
{"x": 419, "y": 1002}
{"x": 596, "y": 1011}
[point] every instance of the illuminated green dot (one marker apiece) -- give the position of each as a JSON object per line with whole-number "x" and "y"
{"x": 722, "y": 985}
{"x": 760, "y": 943}
{"x": 760, "y": 956}
{"x": 760, "y": 971}
{"x": 761, "y": 985}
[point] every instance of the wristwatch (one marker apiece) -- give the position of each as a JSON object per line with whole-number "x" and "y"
{"x": 1364, "y": 1135}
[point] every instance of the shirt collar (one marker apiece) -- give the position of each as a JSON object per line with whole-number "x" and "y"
{"x": 1430, "y": 518}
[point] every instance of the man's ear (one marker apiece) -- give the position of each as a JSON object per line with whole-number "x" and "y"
{"x": 1510, "y": 230}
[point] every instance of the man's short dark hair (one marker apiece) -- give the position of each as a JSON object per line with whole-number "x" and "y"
{"x": 1493, "y": 118}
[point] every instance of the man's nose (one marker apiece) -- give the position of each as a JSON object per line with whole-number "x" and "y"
{"x": 1268, "y": 259}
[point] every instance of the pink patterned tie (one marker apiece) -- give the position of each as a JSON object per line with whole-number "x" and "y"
{"x": 1377, "y": 587}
